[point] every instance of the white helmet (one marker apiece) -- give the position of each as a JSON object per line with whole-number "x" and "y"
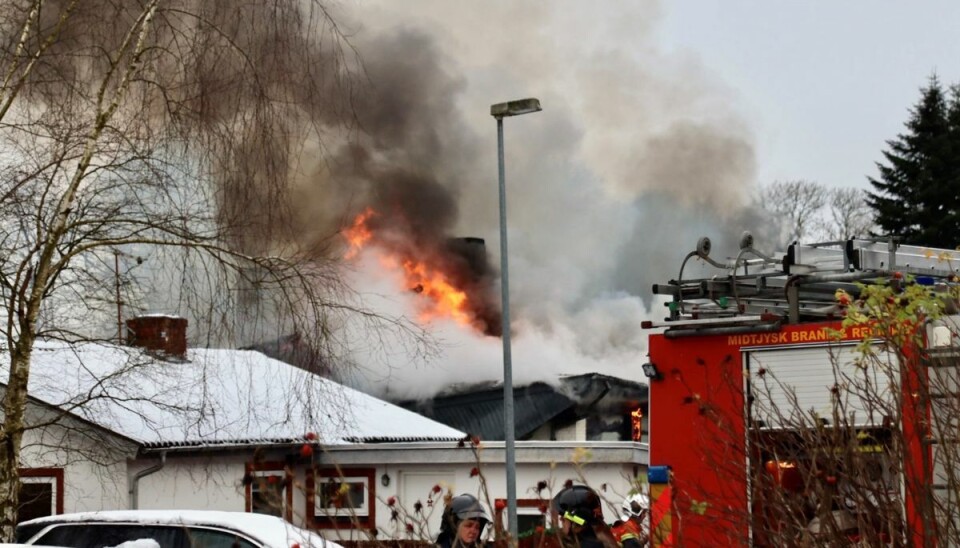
{"x": 633, "y": 506}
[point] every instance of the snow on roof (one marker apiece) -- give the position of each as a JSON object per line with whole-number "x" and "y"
{"x": 215, "y": 397}
{"x": 270, "y": 531}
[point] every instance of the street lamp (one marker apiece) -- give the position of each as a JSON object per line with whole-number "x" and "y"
{"x": 500, "y": 111}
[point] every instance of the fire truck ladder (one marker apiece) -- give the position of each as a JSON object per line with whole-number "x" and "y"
{"x": 753, "y": 289}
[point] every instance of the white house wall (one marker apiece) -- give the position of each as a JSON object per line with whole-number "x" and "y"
{"x": 93, "y": 461}
{"x": 99, "y": 468}
{"x": 193, "y": 483}
{"x": 216, "y": 482}
{"x": 414, "y": 472}
{"x": 413, "y": 483}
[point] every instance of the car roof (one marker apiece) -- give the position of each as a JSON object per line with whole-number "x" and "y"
{"x": 268, "y": 530}
{"x": 16, "y": 545}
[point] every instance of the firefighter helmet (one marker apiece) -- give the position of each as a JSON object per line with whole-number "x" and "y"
{"x": 578, "y": 504}
{"x": 461, "y": 507}
{"x": 634, "y": 506}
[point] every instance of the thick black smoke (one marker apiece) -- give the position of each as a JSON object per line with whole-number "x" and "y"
{"x": 634, "y": 157}
{"x": 403, "y": 166}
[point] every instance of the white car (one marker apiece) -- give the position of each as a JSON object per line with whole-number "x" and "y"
{"x": 167, "y": 529}
{"x": 12, "y": 545}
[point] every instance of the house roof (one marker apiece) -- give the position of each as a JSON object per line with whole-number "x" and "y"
{"x": 479, "y": 410}
{"x": 294, "y": 350}
{"x": 481, "y": 413}
{"x": 215, "y": 397}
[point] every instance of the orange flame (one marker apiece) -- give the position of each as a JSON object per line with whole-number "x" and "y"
{"x": 445, "y": 299}
{"x": 636, "y": 422}
{"x": 358, "y": 234}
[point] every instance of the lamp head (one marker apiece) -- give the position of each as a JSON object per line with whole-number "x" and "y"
{"x": 515, "y": 108}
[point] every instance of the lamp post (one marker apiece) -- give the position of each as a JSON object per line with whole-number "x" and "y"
{"x": 500, "y": 111}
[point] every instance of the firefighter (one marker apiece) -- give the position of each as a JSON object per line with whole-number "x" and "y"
{"x": 634, "y": 520}
{"x": 462, "y": 523}
{"x": 580, "y": 513}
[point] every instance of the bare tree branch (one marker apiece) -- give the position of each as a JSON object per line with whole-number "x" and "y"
{"x": 171, "y": 130}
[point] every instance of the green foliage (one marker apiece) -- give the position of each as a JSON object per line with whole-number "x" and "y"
{"x": 540, "y": 531}
{"x": 917, "y": 195}
{"x": 699, "y": 507}
{"x": 896, "y": 309}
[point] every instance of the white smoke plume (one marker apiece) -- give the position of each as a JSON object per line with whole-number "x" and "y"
{"x": 636, "y": 154}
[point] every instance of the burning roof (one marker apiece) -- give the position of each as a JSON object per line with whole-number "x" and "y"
{"x": 452, "y": 275}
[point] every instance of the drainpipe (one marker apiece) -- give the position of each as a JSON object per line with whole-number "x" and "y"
{"x": 135, "y": 484}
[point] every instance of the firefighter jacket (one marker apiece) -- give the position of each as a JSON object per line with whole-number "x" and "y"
{"x": 628, "y": 534}
{"x": 585, "y": 538}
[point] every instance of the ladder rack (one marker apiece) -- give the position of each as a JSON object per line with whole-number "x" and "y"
{"x": 798, "y": 286}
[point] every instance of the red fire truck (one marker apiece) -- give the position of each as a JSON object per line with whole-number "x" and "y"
{"x": 779, "y": 426}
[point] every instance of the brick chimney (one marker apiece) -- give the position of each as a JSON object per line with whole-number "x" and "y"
{"x": 159, "y": 334}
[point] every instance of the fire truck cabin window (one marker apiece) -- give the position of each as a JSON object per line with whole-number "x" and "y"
{"x": 342, "y": 496}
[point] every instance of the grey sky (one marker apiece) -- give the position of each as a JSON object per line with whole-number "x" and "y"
{"x": 823, "y": 84}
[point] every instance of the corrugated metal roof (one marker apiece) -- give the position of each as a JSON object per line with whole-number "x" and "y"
{"x": 261, "y": 442}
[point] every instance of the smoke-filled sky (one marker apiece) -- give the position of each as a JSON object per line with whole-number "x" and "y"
{"x": 659, "y": 122}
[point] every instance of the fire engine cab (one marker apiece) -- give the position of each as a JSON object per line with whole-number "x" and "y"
{"x": 774, "y": 423}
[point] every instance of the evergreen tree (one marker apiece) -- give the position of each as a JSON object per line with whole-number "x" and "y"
{"x": 916, "y": 195}
{"x": 951, "y": 192}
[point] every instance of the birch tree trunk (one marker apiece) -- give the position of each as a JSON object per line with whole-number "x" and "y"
{"x": 169, "y": 127}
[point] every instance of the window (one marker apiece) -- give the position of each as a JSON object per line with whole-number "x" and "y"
{"x": 342, "y": 498}
{"x": 530, "y": 514}
{"x": 41, "y": 493}
{"x": 114, "y": 534}
{"x": 268, "y": 489}
{"x": 93, "y": 534}
{"x": 36, "y": 500}
{"x": 528, "y": 519}
{"x": 210, "y": 538}
{"x": 267, "y": 493}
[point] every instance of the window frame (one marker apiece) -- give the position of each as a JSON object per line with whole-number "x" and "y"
{"x": 54, "y": 476}
{"x": 523, "y": 509}
{"x": 320, "y": 519}
{"x": 266, "y": 469}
